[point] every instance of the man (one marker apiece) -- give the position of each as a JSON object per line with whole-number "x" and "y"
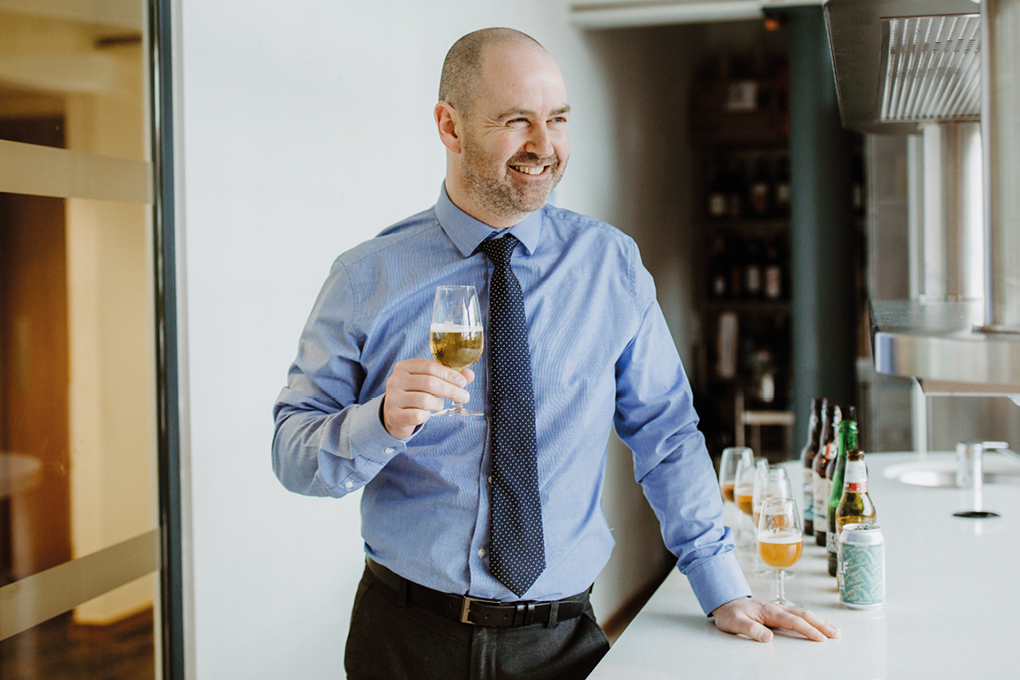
{"x": 505, "y": 509}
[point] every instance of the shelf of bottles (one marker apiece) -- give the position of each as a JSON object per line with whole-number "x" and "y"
{"x": 740, "y": 128}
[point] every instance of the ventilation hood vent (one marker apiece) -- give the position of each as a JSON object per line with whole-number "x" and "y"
{"x": 902, "y": 62}
{"x": 931, "y": 69}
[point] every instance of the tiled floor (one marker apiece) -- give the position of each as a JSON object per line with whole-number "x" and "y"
{"x": 59, "y": 650}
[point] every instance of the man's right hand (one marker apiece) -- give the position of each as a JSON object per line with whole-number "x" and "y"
{"x": 416, "y": 388}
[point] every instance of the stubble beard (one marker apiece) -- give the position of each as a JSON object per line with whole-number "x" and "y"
{"x": 493, "y": 187}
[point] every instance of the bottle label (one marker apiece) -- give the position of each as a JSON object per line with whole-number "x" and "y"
{"x": 830, "y": 540}
{"x": 773, "y": 282}
{"x": 782, "y": 193}
{"x": 855, "y": 473}
{"x": 820, "y": 502}
{"x": 753, "y": 283}
{"x": 718, "y": 285}
{"x": 717, "y": 204}
{"x": 809, "y": 494}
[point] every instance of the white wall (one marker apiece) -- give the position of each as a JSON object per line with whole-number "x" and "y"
{"x": 304, "y": 128}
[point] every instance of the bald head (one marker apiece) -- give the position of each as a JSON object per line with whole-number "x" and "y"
{"x": 462, "y": 69}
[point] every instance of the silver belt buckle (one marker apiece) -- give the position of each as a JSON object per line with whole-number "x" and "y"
{"x": 465, "y": 608}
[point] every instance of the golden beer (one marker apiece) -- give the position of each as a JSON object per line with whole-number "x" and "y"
{"x": 727, "y": 492}
{"x": 456, "y": 347}
{"x": 745, "y": 499}
{"x": 780, "y": 550}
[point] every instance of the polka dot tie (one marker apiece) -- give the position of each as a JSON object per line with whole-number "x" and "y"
{"x": 517, "y": 546}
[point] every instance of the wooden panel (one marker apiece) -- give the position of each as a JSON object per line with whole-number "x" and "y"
{"x": 34, "y": 364}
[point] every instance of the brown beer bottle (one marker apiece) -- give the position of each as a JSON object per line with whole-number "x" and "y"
{"x": 826, "y": 451}
{"x": 807, "y": 457}
{"x": 855, "y": 506}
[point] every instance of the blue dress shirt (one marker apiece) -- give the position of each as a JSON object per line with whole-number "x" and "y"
{"x": 601, "y": 355}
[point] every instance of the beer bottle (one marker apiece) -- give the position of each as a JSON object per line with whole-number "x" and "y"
{"x": 847, "y": 441}
{"x": 855, "y": 506}
{"x": 820, "y": 507}
{"x": 807, "y": 457}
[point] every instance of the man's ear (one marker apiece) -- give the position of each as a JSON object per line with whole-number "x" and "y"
{"x": 448, "y": 121}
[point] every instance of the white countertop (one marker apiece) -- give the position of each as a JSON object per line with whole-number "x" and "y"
{"x": 952, "y": 601}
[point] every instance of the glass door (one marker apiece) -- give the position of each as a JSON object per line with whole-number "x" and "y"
{"x": 83, "y": 353}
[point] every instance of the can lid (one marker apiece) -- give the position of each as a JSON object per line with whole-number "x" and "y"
{"x": 861, "y": 534}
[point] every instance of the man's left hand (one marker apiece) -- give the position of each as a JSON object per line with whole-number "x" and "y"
{"x": 747, "y": 616}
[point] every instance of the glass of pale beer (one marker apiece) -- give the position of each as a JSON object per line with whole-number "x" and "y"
{"x": 743, "y": 492}
{"x": 769, "y": 482}
{"x": 731, "y": 457}
{"x": 780, "y": 539}
{"x": 455, "y": 336}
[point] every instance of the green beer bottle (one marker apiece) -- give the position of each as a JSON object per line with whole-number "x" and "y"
{"x": 847, "y": 441}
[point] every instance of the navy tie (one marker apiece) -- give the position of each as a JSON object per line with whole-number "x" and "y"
{"x": 517, "y": 545}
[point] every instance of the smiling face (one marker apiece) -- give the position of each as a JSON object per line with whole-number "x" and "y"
{"x": 511, "y": 149}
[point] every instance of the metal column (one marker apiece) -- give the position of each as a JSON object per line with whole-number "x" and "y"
{"x": 821, "y": 233}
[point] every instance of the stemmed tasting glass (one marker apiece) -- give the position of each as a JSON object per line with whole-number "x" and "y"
{"x": 780, "y": 539}
{"x": 731, "y": 457}
{"x": 744, "y": 492}
{"x": 769, "y": 482}
{"x": 456, "y": 335}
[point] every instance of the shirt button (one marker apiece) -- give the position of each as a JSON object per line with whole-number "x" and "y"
{"x": 389, "y": 450}
{"x": 481, "y": 552}
{"x": 490, "y": 479}
{"x": 349, "y": 484}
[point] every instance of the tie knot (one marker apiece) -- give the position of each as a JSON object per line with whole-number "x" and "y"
{"x": 499, "y": 249}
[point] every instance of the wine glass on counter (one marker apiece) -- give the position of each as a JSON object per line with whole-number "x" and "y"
{"x": 780, "y": 540}
{"x": 747, "y": 470}
{"x": 769, "y": 482}
{"x": 456, "y": 336}
{"x": 731, "y": 458}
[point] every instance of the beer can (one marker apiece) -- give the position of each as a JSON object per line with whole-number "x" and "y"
{"x": 861, "y": 562}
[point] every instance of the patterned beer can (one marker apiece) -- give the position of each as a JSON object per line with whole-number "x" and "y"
{"x": 861, "y": 559}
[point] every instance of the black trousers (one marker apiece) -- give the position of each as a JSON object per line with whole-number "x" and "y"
{"x": 394, "y": 640}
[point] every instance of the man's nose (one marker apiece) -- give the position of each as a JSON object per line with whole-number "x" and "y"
{"x": 540, "y": 142}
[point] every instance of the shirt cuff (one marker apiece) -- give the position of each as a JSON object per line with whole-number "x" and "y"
{"x": 363, "y": 435}
{"x": 718, "y": 580}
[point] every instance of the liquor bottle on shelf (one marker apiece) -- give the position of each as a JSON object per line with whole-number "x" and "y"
{"x": 716, "y": 205}
{"x": 752, "y": 270}
{"x": 736, "y": 185}
{"x": 821, "y": 495}
{"x": 763, "y": 375}
{"x": 773, "y": 272}
{"x": 734, "y": 261}
{"x": 781, "y": 193}
{"x": 760, "y": 190}
{"x": 807, "y": 457}
{"x": 718, "y": 269}
{"x": 726, "y": 345}
{"x": 847, "y": 440}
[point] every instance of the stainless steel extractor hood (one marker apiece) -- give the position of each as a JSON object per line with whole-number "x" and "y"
{"x": 902, "y": 64}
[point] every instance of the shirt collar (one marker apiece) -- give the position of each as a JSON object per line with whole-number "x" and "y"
{"x": 466, "y": 232}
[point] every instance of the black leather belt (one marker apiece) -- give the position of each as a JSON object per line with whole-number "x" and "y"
{"x": 478, "y": 612}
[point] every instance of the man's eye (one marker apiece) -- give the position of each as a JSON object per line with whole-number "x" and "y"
{"x": 559, "y": 119}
